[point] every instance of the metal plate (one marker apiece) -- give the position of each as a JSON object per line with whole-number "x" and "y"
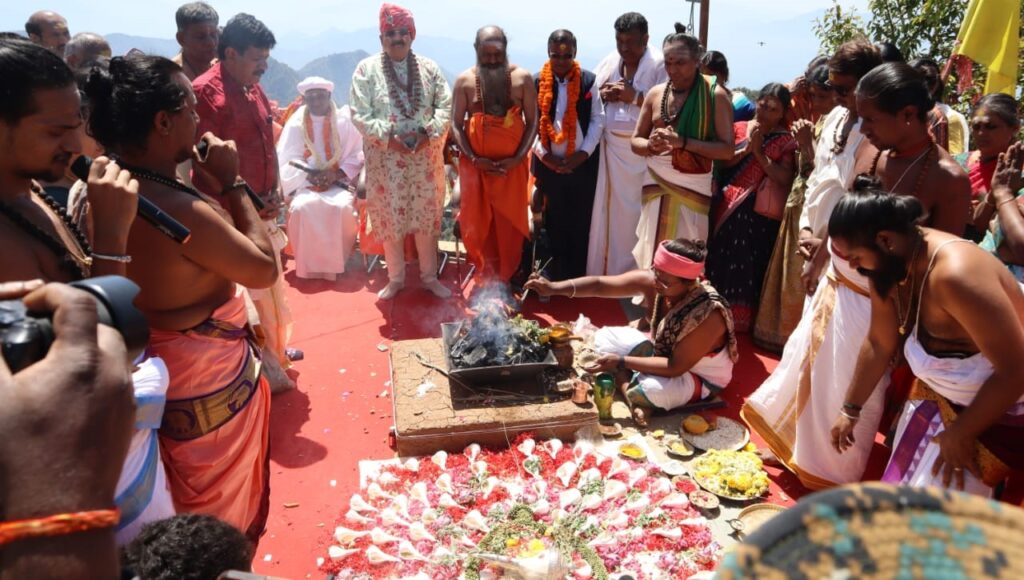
{"x": 484, "y": 376}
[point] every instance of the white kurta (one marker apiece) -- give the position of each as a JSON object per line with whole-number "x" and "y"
{"x": 620, "y": 179}
{"x": 322, "y": 226}
{"x": 833, "y": 174}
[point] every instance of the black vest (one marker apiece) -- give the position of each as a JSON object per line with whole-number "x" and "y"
{"x": 584, "y": 105}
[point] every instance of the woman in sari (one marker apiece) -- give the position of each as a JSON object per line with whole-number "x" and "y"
{"x": 782, "y": 294}
{"x": 741, "y": 238}
{"x": 995, "y": 125}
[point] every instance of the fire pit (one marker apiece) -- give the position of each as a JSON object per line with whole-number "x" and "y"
{"x": 492, "y": 348}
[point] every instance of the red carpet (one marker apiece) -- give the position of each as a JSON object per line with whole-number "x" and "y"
{"x": 338, "y": 415}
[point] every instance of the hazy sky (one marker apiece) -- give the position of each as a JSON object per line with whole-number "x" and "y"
{"x": 737, "y": 26}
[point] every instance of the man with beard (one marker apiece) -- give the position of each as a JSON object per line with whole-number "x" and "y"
{"x": 400, "y": 103}
{"x": 494, "y": 119}
{"x": 197, "y": 35}
{"x": 893, "y": 101}
{"x": 564, "y": 163}
{"x": 624, "y": 77}
{"x": 232, "y": 105}
{"x": 49, "y": 30}
{"x": 214, "y": 435}
{"x": 959, "y": 313}
{"x": 789, "y": 409}
{"x": 684, "y": 126}
{"x": 321, "y": 155}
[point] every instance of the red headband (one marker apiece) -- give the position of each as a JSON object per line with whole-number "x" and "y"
{"x": 392, "y": 17}
{"x": 676, "y": 265}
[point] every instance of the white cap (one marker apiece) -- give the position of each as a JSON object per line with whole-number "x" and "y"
{"x": 310, "y": 83}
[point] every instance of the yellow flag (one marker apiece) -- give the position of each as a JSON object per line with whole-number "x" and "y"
{"x": 990, "y": 36}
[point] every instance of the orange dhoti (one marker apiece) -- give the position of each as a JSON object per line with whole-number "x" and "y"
{"x": 493, "y": 217}
{"x": 214, "y": 438}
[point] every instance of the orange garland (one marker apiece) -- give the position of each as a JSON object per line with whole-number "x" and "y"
{"x": 545, "y": 98}
{"x": 58, "y": 525}
{"x": 328, "y": 136}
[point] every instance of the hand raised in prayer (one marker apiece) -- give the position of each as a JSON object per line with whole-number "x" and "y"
{"x": 658, "y": 142}
{"x": 603, "y": 364}
{"x": 610, "y": 92}
{"x": 114, "y": 201}
{"x": 66, "y": 421}
{"x": 1006, "y": 181}
{"x": 842, "y": 433}
{"x": 803, "y": 130}
{"x": 221, "y": 162}
{"x": 755, "y": 135}
{"x": 957, "y": 452}
{"x": 539, "y": 284}
{"x": 627, "y": 94}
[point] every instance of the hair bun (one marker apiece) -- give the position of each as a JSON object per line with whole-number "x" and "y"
{"x": 680, "y": 28}
{"x": 865, "y": 182}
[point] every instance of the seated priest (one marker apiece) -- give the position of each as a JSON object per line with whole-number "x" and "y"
{"x": 321, "y": 155}
{"x": 693, "y": 349}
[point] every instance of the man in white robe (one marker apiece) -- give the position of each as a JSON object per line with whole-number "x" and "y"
{"x": 321, "y": 153}
{"x": 624, "y": 77}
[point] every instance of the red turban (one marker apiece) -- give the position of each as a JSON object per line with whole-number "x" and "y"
{"x": 392, "y": 17}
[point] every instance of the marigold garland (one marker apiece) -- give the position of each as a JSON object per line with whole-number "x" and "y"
{"x": 546, "y": 97}
{"x": 332, "y": 141}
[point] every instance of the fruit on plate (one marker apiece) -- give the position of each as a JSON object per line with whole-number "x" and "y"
{"x": 695, "y": 424}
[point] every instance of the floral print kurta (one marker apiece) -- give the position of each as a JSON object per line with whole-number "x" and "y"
{"x": 404, "y": 190}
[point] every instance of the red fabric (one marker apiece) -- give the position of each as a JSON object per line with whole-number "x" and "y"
{"x": 393, "y": 16}
{"x": 245, "y": 117}
{"x": 981, "y": 174}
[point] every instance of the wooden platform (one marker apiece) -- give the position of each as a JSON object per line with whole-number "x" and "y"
{"x": 427, "y": 420}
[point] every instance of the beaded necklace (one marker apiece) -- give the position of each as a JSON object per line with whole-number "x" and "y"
{"x": 77, "y": 267}
{"x": 841, "y": 135}
{"x": 165, "y": 181}
{"x": 670, "y": 121}
{"x": 412, "y": 88}
{"x": 928, "y": 154}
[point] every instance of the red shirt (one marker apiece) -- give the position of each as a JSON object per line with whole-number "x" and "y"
{"x": 231, "y": 111}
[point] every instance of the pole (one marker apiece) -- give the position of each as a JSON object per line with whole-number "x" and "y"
{"x": 704, "y": 9}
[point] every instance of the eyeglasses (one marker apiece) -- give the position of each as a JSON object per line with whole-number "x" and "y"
{"x": 840, "y": 90}
{"x": 399, "y": 32}
{"x": 560, "y": 56}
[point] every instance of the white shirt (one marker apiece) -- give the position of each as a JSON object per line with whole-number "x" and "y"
{"x": 622, "y": 117}
{"x": 292, "y": 146}
{"x": 583, "y": 143}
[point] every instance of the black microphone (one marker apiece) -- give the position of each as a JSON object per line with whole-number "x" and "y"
{"x": 147, "y": 209}
{"x": 202, "y": 147}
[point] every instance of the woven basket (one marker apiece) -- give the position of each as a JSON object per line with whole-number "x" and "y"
{"x": 875, "y": 530}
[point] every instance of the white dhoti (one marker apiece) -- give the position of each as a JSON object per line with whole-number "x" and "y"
{"x": 675, "y": 205}
{"x": 322, "y": 228}
{"x": 794, "y": 409}
{"x": 617, "y": 206}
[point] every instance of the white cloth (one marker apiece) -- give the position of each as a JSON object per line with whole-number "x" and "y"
{"x": 797, "y": 425}
{"x": 310, "y": 83}
{"x": 650, "y": 73}
{"x": 586, "y": 142}
{"x": 142, "y": 493}
{"x": 617, "y": 206}
{"x": 321, "y": 225}
{"x": 833, "y": 174}
{"x": 692, "y": 225}
{"x": 954, "y": 116}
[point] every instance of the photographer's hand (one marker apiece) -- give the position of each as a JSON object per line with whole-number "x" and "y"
{"x": 65, "y": 425}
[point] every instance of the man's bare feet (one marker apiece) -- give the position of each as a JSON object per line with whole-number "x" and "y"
{"x": 640, "y": 416}
{"x": 768, "y": 457}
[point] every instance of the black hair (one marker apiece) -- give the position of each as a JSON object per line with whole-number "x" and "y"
{"x": 125, "y": 97}
{"x": 243, "y": 32}
{"x": 815, "y": 63}
{"x": 889, "y": 52}
{"x": 780, "y": 92}
{"x": 562, "y": 36}
{"x": 187, "y": 547}
{"x": 855, "y": 58}
{"x": 818, "y": 76}
{"x": 896, "y": 85}
{"x": 681, "y": 36}
{"x": 26, "y": 67}
{"x": 862, "y": 214}
{"x": 1001, "y": 105}
{"x": 696, "y": 250}
{"x": 631, "y": 22}
{"x": 195, "y": 13}
{"x": 715, "y": 62}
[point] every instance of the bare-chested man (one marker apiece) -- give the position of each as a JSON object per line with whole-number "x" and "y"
{"x": 957, "y": 313}
{"x": 893, "y": 101}
{"x": 684, "y": 125}
{"x": 494, "y": 120}
{"x": 215, "y": 425}
{"x": 49, "y": 30}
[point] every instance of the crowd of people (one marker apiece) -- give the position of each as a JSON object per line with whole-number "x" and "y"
{"x": 843, "y": 212}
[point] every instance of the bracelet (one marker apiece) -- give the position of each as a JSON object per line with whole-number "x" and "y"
{"x": 622, "y": 362}
{"x": 853, "y": 407}
{"x": 122, "y": 258}
{"x": 1004, "y": 202}
{"x": 239, "y": 182}
{"x": 58, "y": 525}
{"x": 849, "y": 416}
{"x": 573, "y": 284}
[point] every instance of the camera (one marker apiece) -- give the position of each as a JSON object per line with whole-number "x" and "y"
{"x": 26, "y": 336}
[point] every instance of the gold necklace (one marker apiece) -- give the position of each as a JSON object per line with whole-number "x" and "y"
{"x": 900, "y": 318}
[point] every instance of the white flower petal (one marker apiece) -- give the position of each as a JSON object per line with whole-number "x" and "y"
{"x": 527, "y": 447}
{"x": 376, "y": 556}
{"x": 339, "y": 553}
{"x": 375, "y": 491}
{"x": 475, "y": 520}
{"x": 472, "y": 451}
{"x": 636, "y": 475}
{"x": 407, "y": 551}
{"x": 347, "y": 537}
{"x": 441, "y": 459}
{"x": 566, "y": 471}
{"x": 419, "y": 493}
{"x": 675, "y": 500}
{"x": 418, "y": 532}
{"x": 670, "y": 533}
{"x": 412, "y": 464}
{"x": 569, "y": 497}
{"x": 444, "y": 483}
{"x": 380, "y": 538}
{"x": 387, "y": 478}
{"x": 614, "y": 489}
{"x": 356, "y": 518}
{"x": 360, "y": 505}
{"x": 553, "y": 446}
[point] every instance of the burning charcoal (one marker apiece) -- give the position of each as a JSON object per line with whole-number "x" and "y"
{"x": 475, "y": 357}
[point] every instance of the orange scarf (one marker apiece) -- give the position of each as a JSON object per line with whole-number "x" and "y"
{"x": 546, "y": 97}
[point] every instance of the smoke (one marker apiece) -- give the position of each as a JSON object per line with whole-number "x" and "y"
{"x": 491, "y": 337}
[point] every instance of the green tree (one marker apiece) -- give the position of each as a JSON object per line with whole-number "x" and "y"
{"x": 836, "y": 26}
{"x": 918, "y": 27}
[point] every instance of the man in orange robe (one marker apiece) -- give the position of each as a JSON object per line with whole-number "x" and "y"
{"x": 494, "y": 119}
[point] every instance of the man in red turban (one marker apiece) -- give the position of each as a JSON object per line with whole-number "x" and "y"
{"x": 393, "y": 17}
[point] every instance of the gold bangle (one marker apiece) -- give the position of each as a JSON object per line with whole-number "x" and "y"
{"x": 573, "y": 284}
